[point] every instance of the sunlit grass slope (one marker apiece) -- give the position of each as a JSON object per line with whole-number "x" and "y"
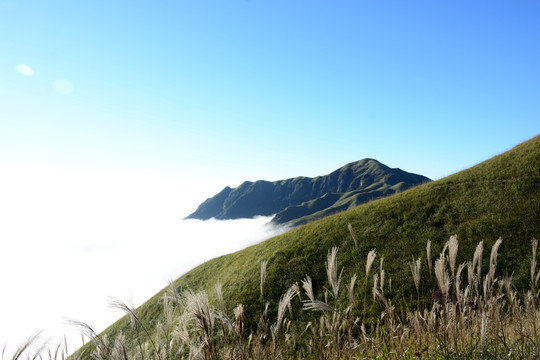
{"x": 497, "y": 198}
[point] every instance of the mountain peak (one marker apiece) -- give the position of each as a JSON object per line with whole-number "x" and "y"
{"x": 350, "y": 185}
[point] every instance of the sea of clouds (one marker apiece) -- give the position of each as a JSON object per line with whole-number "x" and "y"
{"x": 71, "y": 240}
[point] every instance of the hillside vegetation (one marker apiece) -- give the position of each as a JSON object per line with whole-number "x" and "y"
{"x": 498, "y": 198}
{"x": 303, "y": 199}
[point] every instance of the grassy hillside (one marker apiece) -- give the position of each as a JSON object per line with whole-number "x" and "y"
{"x": 497, "y": 198}
{"x": 332, "y": 203}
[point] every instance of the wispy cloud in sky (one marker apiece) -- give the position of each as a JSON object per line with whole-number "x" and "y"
{"x": 24, "y": 70}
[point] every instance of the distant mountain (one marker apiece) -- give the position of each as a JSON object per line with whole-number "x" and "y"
{"x": 303, "y": 199}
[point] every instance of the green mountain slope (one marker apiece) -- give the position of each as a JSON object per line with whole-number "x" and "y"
{"x": 497, "y": 198}
{"x": 301, "y": 197}
{"x": 331, "y": 203}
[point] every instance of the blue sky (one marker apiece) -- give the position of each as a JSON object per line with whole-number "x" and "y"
{"x": 118, "y": 116}
{"x": 240, "y": 90}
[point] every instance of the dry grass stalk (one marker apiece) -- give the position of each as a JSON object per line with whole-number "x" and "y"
{"x": 428, "y": 253}
{"x": 534, "y": 277}
{"x": 332, "y": 271}
{"x": 415, "y": 270}
{"x": 264, "y": 263}
{"x": 349, "y": 226}
{"x": 308, "y": 288}
{"x": 490, "y": 277}
{"x": 452, "y": 254}
{"x": 219, "y": 294}
{"x": 26, "y": 345}
{"x": 381, "y": 275}
{"x": 477, "y": 258}
{"x": 441, "y": 275}
{"x": 239, "y": 320}
{"x": 283, "y": 304}
{"x": 483, "y": 330}
{"x": 457, "y": 282}
{"x": 317, "y": 305}
{"x": 375, "y": 285}
{"x": 369, "y": 262}
{"x": 493, "y": 258}
{"x": 350, "y": 291}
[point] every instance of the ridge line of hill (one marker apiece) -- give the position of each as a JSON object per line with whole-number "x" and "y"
{"x": 302, "y": 199}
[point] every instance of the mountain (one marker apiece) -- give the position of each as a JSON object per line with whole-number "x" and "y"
{"x": 302, "y": 199}
{"x": 497, "y": 198}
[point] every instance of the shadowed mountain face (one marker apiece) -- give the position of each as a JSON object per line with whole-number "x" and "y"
{"x": 303, "y": 199}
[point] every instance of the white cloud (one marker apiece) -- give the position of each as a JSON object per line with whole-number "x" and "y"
{"x": 63, "y": 86}
{"x": 25, "y": 70}
{"x": 72, "y": 239}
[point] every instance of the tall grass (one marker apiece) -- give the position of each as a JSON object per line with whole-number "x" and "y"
{"x": 466, "y": 315}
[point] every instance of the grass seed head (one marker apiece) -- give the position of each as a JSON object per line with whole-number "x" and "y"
{"x": 264, "y": 263}
{"x": 370, "y": 258}
{"x": 415, "y": 270}
{"x": 452, "y": 253}
{"x": 332, "y": 271}
{"x": 308, "y": 288}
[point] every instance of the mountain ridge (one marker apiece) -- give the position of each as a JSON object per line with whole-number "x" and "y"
{"x": 302, "y": 199}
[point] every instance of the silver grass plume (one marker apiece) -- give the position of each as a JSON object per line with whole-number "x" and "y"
{"x": 428, "y": 252}
{"x": 173, "y": 295}
{"x": 470, "y": 274}
{"x": 86, "y": 330}
{"x": 119, "y": 348}
{"x": 27, "y": 344}
{"x": 308, "y": 288}
{"x": 442, "y": 276}
{"x": 353, "y": 235}
{"x": 370, "y": 258}
{"x": 239, "y": 317}
{"x": 219, "y": 293}
{"x": 350, "y": 290}
{"x": 457, "y": 280}
{"x": 198, "y": 310}
{"x": 375, "y": 286}
{"x": 534, "y": 244}
{"x": 298, "y": 292}
{"x": 415, "y": 270}
{"x": 477, "y": 259}
{"x": 264, "y": 263}
{"x": 317, "y": 305}
{"x": 506, "y": 283}
{"x": 381, "y": 272}
{"x": 452, "y": 254}
{"x": 493, "y": 259}
{"x": 381, "y": 296}
{"x": 121, "y": 306}
{"x": 331, "y": 271}
{"x": 283, "y": 304}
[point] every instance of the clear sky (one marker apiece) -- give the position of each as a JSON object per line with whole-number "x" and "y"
{"x": 116, "y": 107}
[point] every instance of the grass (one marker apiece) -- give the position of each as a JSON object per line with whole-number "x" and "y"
{"x": 469, "y": 316}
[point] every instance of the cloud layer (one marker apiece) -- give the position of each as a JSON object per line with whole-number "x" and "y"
{"x": 71, "y": 241}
